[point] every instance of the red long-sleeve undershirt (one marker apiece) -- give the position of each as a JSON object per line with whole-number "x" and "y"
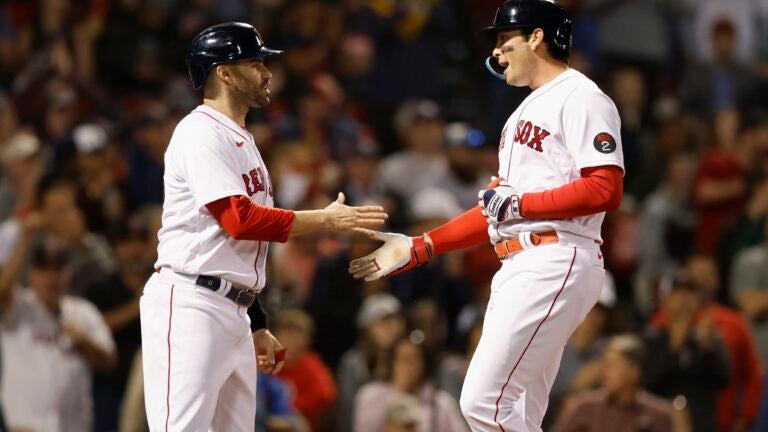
{"x": 599, "y": 189}
{"x": 242, "y": 219}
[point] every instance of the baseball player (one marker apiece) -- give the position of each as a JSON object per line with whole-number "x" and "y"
{"x": 560, "y": 169}
{"x": 218, "y": 219}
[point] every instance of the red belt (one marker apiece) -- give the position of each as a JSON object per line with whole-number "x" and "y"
{"x": 506, "y": 248}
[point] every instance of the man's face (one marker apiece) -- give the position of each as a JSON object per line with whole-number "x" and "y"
{"x": 618, "y": 373}
{"x": 48, "y": 283}
{"x": 515, "y": 54}
{"x": 250, "y": 82}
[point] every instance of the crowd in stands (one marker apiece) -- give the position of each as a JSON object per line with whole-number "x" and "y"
{"x": 388, "y": 102}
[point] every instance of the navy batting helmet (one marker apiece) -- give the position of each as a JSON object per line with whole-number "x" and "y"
{"x": 223, "y": 43}
{"x": 544, "y": 14}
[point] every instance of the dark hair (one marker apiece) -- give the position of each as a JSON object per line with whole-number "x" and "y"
{"x": 552, "y": 49}
{"x": 428, "y": 361}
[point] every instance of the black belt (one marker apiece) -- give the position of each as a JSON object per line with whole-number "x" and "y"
{"x": 242, "y": 297}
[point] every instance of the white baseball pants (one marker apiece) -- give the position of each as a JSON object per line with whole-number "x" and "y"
{"x": 538, "y": 298}
{"x": 198, "y": 356}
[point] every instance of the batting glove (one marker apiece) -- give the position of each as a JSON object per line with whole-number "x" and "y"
{"x": 500, "y": 204}
{"x": 398, "y": 254}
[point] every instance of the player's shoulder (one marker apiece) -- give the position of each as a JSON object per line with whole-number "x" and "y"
{"x": 581, "y": 88}
{"x": 198, "y": 124}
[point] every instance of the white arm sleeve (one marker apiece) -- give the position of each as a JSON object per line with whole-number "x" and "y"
{"x": 591, "y": 128}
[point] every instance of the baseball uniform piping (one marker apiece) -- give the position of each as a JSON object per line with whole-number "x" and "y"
{"x": 168, "y": 383}
{"x": 222, "y": 123}
{"x": 551, "y": 306}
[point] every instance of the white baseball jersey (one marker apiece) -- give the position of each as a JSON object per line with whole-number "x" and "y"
{"x": 561, "y": 128}
{"x": 46, "y": 384}
{"x": 210, "y": 157}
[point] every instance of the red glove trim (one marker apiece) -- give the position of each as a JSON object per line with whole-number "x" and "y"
{"x": 599, "y": 189}
{"x": 242, "y": 219}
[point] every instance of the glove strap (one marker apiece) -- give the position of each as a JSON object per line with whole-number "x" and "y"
{"x": 421, "y": 251}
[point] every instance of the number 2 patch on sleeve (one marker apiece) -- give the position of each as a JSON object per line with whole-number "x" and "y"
{"x": 604, "y": 143}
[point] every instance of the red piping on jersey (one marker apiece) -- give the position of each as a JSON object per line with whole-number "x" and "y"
{"x": 222, "y": 123}
{"x": 242, "y": 219}
{"x": 599, "y": 189}
{"x": 168, "y": 383}
{"x": 551, "y": 306}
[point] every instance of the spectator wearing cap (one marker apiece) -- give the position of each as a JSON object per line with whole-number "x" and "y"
{"x": 410, "y": 371}
{"x": 466, "y": 152}
{"x": 21, "y": 172}
{"x": 380, "y": 324}
{"x": 51, "y": 345}
{"x": 310, "y": 382}
{"x": 117, "y": 298}
{"x": 738, "y": 403}
{"x": 422, "y": 162}
{"x": 689, "y": 358}
{"x": 620, "y": 404}
{"x": 101, "y": 193}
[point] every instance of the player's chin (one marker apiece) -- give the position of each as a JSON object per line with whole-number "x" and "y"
{"x": 260, "y": 100}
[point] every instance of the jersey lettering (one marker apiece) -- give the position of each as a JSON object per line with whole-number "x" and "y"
{"x": 254, "y": 181}
{"x": 530, "y": 135}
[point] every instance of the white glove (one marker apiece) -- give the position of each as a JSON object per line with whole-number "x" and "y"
{"x": 500, "y": 204}
{"x": 399, "y": 253}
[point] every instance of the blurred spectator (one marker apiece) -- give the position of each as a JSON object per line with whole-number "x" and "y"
{"x": 666, "y": 224}
{"x": 381, "y": 325}
{"x": 722, "y": 82}
{"x": 117, "y": 298}
{"x": 309, "y": 381}
{"x": 689, "y": 358}
{"x": 91, "y": 259}
{"x": 274, "y": 412}
{"x": 101, "y": 192}
{"x": 409, "y": 374}
{"x": 51, "y": 344}
{"x": 737, "y": 404}
{"x": 581, "y": 365}
{"x": 720, "y": 183}
{"x": 150, "y": 137}
{"x": 750, "y": 291}
{"x": 620, "y": 405}
{"x": 466, "y": 175}
{"x": 629, "y": 91}
{"x": 22, "y": 169}
{"x": 422, "y": 163}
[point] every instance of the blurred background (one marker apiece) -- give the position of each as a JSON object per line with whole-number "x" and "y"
{"x": 387, "y": 101}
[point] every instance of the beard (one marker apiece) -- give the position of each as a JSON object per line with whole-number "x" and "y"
{"x": 251, "y": 94}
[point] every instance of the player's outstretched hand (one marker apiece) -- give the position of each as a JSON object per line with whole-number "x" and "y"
{"x": 341, "y": 217}
{"x": 270, "y": 354}
{"x": 399, "y": 253}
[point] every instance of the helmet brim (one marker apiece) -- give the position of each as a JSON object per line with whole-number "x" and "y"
{"x": 488, "y": 34}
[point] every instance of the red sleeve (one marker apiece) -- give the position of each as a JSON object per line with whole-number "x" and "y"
{"x": 463, "y": 231}
{"x": 599, "y": 189}
{"x": 244, "y": 220}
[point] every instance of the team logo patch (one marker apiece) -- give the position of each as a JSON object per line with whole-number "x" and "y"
{"x": 604, "y": 143}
